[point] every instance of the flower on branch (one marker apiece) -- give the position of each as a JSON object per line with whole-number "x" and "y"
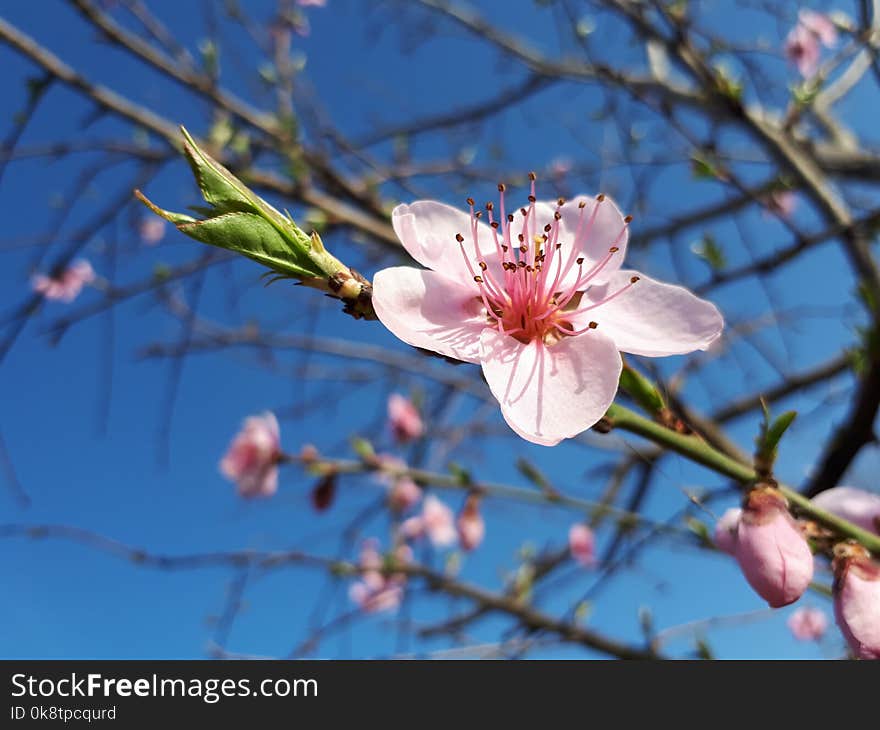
{"x": 404, "y": 419}
{"x": 252, "y": 459}
{"x": 67, "y": 285}
{"x": 771, "y": 549}
{"x": 857, "y": 599}
{"x": 854, "y": 505}
{"x": 539, "y": 299}
{"x": 808, "y": 624}
{"x": 582, "y": 545}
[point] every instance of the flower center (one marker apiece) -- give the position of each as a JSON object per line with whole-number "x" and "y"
{"x": 534, "y": 289}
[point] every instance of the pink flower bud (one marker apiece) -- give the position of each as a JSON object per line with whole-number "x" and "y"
{"x": 66, "y": 285}
{"x": 725, "y": 530}
{"x": 404, "y": 419}
{"x": 808, "y": 624}
{"x": 252, "y": 459}
{"x": 471, "y": 528}
{"x": 582, "y": 545}
{"x": 856, "y": 505}
{"x": 771, "y": 550}
{"x": 403, "y": 494}
{"x": 857, "y": 599}
{"x": 436, "y": 522}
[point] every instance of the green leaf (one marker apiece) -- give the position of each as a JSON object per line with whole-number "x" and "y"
{"x": 251, "y": 235}
{"x": 707, "y": 248}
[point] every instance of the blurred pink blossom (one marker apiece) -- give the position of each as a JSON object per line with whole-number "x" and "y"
{"x": 771, "y": 549}
{"x": 470, "y": 524}
{"x": 802, "y": 45}
{"x": 802, "y": 49}
{"x": 436, "y": 522}
{"x": 151, "y": 230}
{"x": 808, "y": 624}
{"x": 403, "y": 494}
{"x": 311, "y": 3}
{"x": 252, "y": 459}
{"x": 856, "y": 505}
{"x": 781, "y": 203}
{"x": 524, "y": 299}
{"x": 375, "y": 591}
{"x": 819, "y": 25}
{"x": 582, "y": 545}
{"x": 67, "y": 285}
{"x": 404, "y": 419}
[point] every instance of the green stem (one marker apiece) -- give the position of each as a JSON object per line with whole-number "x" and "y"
{"x": 695, "y": 449}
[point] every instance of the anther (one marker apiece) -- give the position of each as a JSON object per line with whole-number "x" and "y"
{"x": 521, "y": 264}
{"x": 478, "y": 279}
{"x": 532, "y": 199}
{"x": 459, "y": 238}
{"x": 523, "y": 211}
{"x": 470, "y": 201}
{"x": 478, "y": 214}
{"x": 483, "y": 265}
{"x": 628, "y": 219}
{"x": 505, "y": 248}
{"x": 548, "y": 227}
{"x": 560, "y": 202}
{"x": 582, "y": 204}
{"x": 521, "y": 237}
{"x": 494, "y": 225}
{"x": 558, "y": 216}
{"x": 593, "y": 325}
{"x": 580, "y": 260}
{"x": 523, "y": 248}
{"x": 501, "y": 187}
{"x": 633, "y": 280}
{"x": 490, "y": 205}
{"x": 510, "y": 217}
{"x": 533, "y": 176}
{"x": 558, "y": 246}
{"x": 600, "y": 197}
{"x": 613, "y": 249}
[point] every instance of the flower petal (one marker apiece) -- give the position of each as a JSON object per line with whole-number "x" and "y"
{"x": 549, "y": 393}
{"x": 607, "y": 230}
{"x": 427, "y": 230}
{"x": 427, "y": 310}
{"x": 653, "y": 318}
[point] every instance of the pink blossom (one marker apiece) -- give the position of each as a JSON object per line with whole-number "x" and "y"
{"x": 376, "y": 591}
{"x": 771, "y": 550}
{"x": 857, "y": 599}
{"x": 725, "y": 530}
{"x": 781, "y": 203}
{"x": 403, "y": 494}
{"x": 436, "y": 522}
{"x": 856, "y": 505}
{"x": 470, "y": 524}
{"x": 560, "y": 167}
{"x": 252, "y": 459}
{"x": 808, "y": 624}
{"x": 820, "y": 25}
{"x": 582, "y": 545}
{"x": 67, "y": 285}
{"x": 539, "y": 301}
{"x": 151, "y": 230}
{"x": 404, "y": 419}
{"x": 802, "y": 49}
{"x": 802, "y": 46}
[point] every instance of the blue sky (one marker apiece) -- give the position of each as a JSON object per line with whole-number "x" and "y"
{"x": 107, "y": 474}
